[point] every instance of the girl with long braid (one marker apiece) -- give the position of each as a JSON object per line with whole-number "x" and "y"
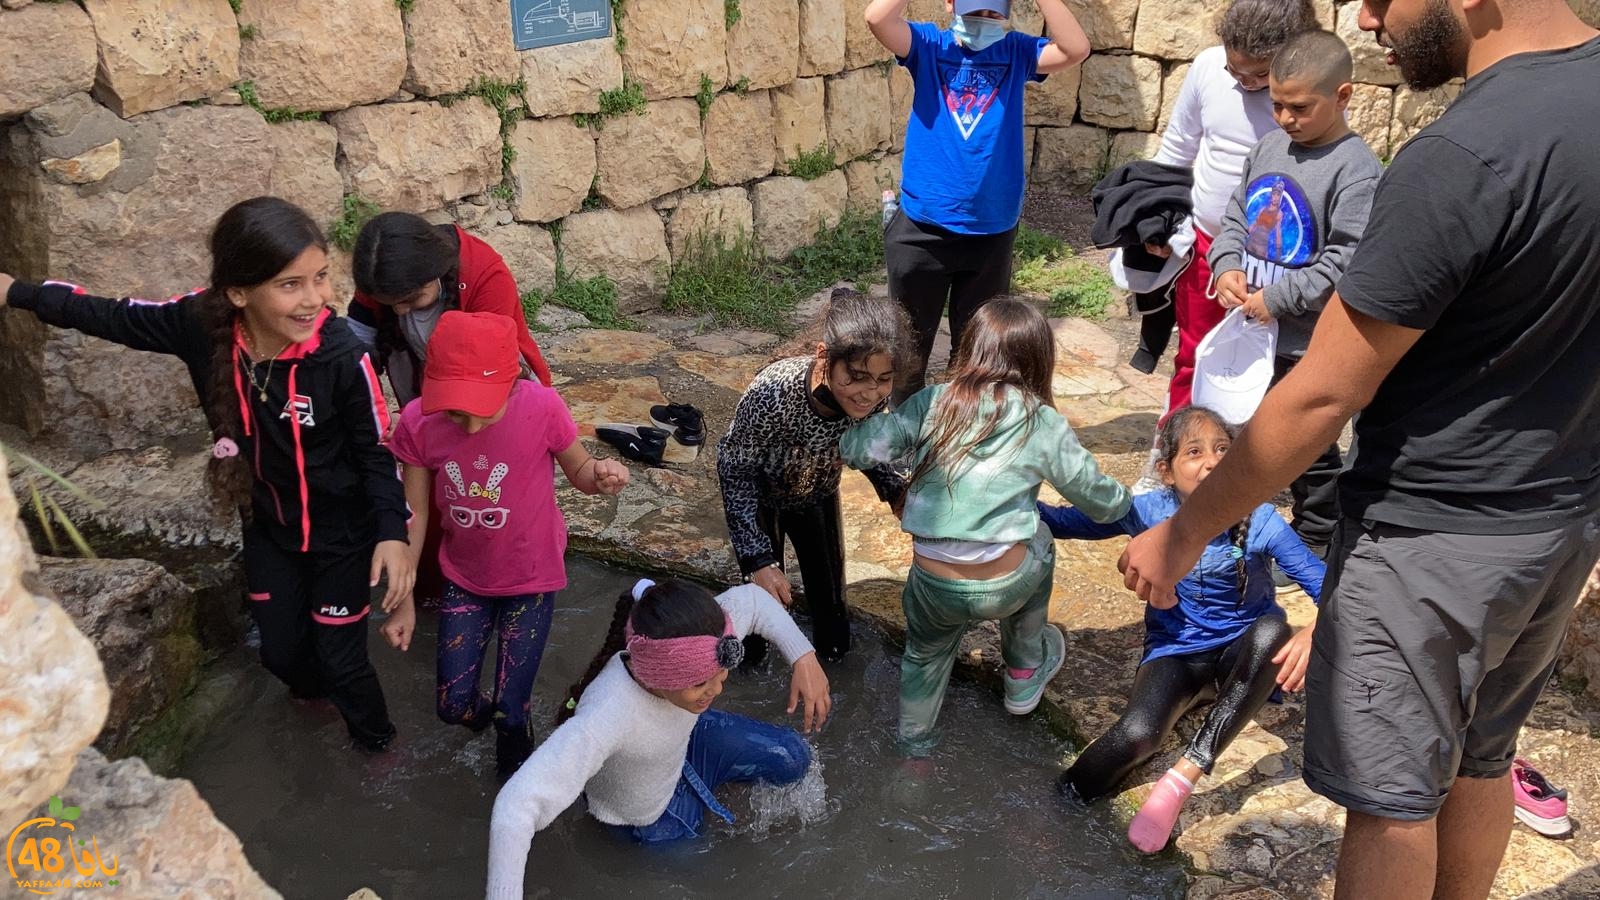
{"x": 1226, "y": 642}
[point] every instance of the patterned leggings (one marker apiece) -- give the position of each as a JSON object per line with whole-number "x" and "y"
{"x": 466, "y": 620}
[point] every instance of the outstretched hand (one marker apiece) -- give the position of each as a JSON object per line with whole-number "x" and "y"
{"x": 808, "y": 684}
{"x": 394, "y": 558}
{"x": 1155, "y": 562}
{"x": 1293, "y": 657}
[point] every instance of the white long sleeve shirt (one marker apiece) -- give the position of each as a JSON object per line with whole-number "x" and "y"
{"x": 624, "y": 748}
{"x": 1214, "y": 125}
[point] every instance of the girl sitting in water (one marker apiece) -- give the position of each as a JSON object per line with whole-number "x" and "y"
{"x": 1226, "y": 642}
{"x": 642, "y": 742}
{"x": 981, "y": 446}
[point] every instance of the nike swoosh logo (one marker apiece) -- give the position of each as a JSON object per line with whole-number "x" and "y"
{"x": 488, "y": 372}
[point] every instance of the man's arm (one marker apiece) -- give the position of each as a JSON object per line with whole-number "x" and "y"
{"x": 1068, "y": 44}
{"x": 887, "y": 20}
{"x": 1350, "y": 355}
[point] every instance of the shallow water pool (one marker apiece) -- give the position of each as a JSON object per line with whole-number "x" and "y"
{"x": 319, "y": 820}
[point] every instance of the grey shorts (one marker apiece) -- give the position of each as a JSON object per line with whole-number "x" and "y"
{"x": 1429, "y": 653}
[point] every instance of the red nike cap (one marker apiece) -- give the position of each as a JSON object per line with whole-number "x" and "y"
{"x": 473, "y": 361}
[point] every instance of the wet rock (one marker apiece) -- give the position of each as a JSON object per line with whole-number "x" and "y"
{"x": 567, "y": 78}
{"x": 672, "y": 43}
{"x": 450, "y": 44}
{"x": 789, "y": 211}
{"x": 164, "y": 836}
{"x": 155, "y": 55}
{"x": 304, "y": 170}
{"x": 860, "y": 47}
{"x": 152, "y": 495}
{"x": 1120, "y": 91}
{"x": 529, "y": 252}
{"x": 627, "y": 246}
{"x": 419, "y": 155}
{"x": 1371, "y": 108}
{"x": 799, "y": 123}
{"x": 724, "y": 215}
{"x": 764, "y": 45}
{"x": 739, "y": 140}
{"x": 1054, "y": 101}
{"x": 1414, "y": 110}
{"x": 642, "y": 157}
{"x": 1069, "y": 158}
{"x": 54, "y": 696}
{"x": 857, "y": 114}
{"x": 867, "y": 179}
{"x": 1107, "y": 23}
{"x": 1371, "y": 66}
{"x": 821, "y": 37}
{"x": 1176, "y": 29}
{"x": 314, "y": 55}
{"x": 47, "y": 51}
{"x": 554, "y": 168}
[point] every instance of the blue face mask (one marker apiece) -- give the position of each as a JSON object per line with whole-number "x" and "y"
{"x": 978, "y": 32}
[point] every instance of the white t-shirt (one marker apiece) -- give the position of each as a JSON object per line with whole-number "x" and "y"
{"x": 1214, "y": 125}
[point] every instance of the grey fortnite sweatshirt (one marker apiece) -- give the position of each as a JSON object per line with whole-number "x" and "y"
{"x": 1293, "y": 224}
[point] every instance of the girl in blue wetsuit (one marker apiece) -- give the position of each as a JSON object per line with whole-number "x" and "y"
{"x": 1226, "y": 641}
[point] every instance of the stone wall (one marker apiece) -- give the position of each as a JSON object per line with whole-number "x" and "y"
{"x": 127, "y": 126}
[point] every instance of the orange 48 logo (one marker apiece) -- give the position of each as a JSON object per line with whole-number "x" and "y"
{"x": 47, "y": 854}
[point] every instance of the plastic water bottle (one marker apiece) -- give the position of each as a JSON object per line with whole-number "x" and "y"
{"x": 890, "y": 206}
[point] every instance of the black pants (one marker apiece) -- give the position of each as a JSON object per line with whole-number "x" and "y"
{"x": 1238, "y": 677}
{"x": 311, "y": 609}
{"x": 818, "y": 543}
{"x": 1316, "y": 492}
{"x": 928, "y": 266}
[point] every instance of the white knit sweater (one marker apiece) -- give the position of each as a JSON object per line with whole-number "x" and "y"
{"x": 624, "y": 748}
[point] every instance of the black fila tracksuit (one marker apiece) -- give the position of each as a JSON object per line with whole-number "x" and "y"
{"x": 325, "y": 491}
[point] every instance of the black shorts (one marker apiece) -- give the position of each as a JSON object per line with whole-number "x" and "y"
{"x": 1429, "y": 653}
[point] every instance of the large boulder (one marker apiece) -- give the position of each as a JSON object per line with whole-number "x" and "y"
{"x": 1176, "y": 29}
{"x": 420, "y": 155}
{"x": 54, "y": 691}
{"x": 821, "y": 37}
{"x": 799, "y": 119}
{"x": 724, "y": 215}
{"x": 642, "y": 157}
{"x": 902, "y": 94}
{"x": 860, "y": 47}
{"x": 1070, "y": 159}
{"x": 47, "y": 51}
{"x": 1370, "y": 111}
{"x": 858, "y": 114}
{"x": 304, "y": 171}
{"x": 315, "y": 55}
{"x": 867, "y": 179}
{"x": 553, "y": 169}
{"x": 564, "y": 79}
{"x": 1120, "y": 91}
{"x": 1054, "y": 101}
{"x": 529, "y": 252}
{"x": 671, "y": 44}
{"x": 790, "y": 211}
{"x": 764, "y": 45}
{"x": 450, "y": 44}
{"x": 1415, "y": 110}
{"x": 628, "y": 246}
{"x": 155, "y": 55}
{"x": 739, "y": 142}
{"x": 1580, "y": 655}
{"x": 1107, "y": 23}
{"x": 1171, "y": 84}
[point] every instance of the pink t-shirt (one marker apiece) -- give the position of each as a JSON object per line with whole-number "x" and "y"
{"x": 495, "y": 490}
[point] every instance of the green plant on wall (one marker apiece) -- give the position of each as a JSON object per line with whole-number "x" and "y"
{"x": 275, "y": 114}
{"x": 616, "y": 26}
{"x": 705, "y": 96}
{"x": 813, "y": 164}
{"x": 730, "y": 12}
{"x": 356, "y": 211}
{"x": 616, "y": 102}
{"x": 405, "y": 5}
{"x": 248, "y": 32}
{"x": 47, "y": 513}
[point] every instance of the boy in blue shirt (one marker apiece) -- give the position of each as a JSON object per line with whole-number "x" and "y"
{"x": 962, "y": 180}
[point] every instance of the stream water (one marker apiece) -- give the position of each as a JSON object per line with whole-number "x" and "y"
{"x": 319, "y": 820}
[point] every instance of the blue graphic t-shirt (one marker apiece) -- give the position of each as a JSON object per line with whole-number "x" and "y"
{"x": 964, "y": 163}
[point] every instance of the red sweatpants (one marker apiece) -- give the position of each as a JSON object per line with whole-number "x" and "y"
{"x": 1197, "y": 314}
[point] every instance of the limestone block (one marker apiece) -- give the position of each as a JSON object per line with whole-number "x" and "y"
{"x": 799, "y": 120}
{"x": 1587, "y": 10}
{"x": 47, "y": 51}
{"x": 452, "y": 43}
{"x": 1176, "y": 29}
{"x": 1371, "y": 67}
{"x": 790, "y": 211}
{"x": 1121, "y": 91}
{"x": 1170, "y": 85}
{"x": 1414, "y": 110}
{"x": 157, "y": 54}
{"x": 1371, "y": 108}
{"x": 1071, "y": 158}
{"x": 419, "y": 155}
{"x": 901, "y": 94}
{"x": 860, "y": 47}
{"x": 671, "y": 43}
{"x": 821, "y": 37}
{"x": 723, "y": 214}
{"x": 529, "y": 252}
{"x": 1026, "y": 17}
{"x": 764, "y": 45}
{"x": 628, "y": 246}
{"x": 54, "y": 692}
{"x": 169, "y": 840}
{"x": 315, "y": 55}
{"x": 1580, "y": 652}
{"x": 554, "y": 168}
{"x": 567, "y": 78}
{"x": 858, "y": 113}
{"x": 739, "y": 143}
{"x": 642, "y": 157}
{"x": 87, "y": 167}
{"x": 1127, "y": 146}
{"x": 867, "y": 179}
{"x": 1107, "y": 23}
{"x": 1053, "y": 101}
{"x": 304, "y": 172}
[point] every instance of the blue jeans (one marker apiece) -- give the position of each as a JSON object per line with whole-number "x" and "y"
{"x": 466, "y": 621}
{"x": 725, "y": 747}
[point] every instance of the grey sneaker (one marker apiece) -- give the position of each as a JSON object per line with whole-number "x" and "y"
{"x": 1022, "y": 697}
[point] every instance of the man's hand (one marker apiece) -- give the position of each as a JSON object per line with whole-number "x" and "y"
{"x": 1156, "y": 561}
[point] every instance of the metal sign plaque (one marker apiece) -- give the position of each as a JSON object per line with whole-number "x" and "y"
{"x": 540, "y": 23}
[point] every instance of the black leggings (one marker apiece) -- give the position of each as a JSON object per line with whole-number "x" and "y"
{"x": 818, "y": 541}
{"x": 1239, "y": 677}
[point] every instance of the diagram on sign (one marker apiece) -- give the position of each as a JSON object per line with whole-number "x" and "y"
{"x": 564, "y": 20}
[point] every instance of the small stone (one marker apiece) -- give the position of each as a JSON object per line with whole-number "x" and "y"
{"x": 1271, "y": 766}
{"x": 87, "y": 167}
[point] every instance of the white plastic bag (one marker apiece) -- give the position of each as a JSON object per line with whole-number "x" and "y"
{"x": 1233, "y": 366}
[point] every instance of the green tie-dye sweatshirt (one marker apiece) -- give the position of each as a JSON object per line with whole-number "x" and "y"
{"x": 990, "y": 496}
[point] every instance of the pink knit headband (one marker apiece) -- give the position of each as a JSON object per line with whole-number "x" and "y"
{"x": 672, "y": 664}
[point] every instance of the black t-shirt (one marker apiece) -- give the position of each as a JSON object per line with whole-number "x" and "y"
{"x": 1485, "y": 232}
